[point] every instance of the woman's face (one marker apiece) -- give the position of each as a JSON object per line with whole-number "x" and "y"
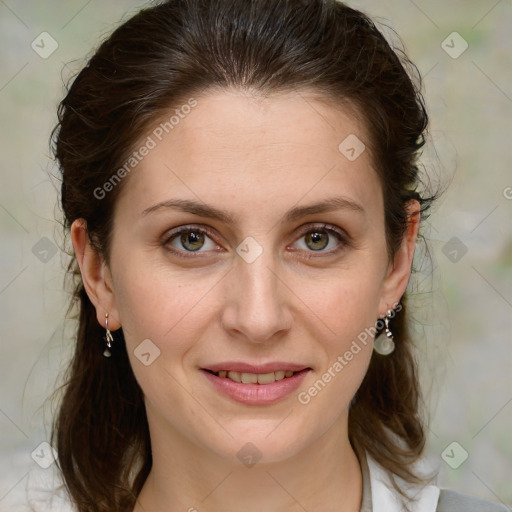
{"x": 260, "y": 274}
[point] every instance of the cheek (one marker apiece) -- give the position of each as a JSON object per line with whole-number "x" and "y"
{"x": 345, "y": 304}
{"x": 169, "y": 309}
{"x": 347, "y": 312}
{"x": 329, "y": 392}
{"x": 164, "y": 306}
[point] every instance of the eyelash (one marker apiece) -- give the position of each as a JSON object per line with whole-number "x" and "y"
{"x": 342, "y": 238}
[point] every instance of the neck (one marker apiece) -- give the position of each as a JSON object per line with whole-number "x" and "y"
{"x": 185, "y": 477}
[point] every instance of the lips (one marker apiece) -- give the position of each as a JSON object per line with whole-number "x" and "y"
{"x": 267, "y": 390}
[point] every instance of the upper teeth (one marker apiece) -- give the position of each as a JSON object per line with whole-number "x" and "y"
{"x": 255, "y": 378}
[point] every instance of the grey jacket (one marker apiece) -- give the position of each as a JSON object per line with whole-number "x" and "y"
{"x": 452, "y": 501}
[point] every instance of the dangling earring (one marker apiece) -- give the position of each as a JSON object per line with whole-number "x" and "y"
{"x": 384, "y": 343}
{"x": 108, "y": 338}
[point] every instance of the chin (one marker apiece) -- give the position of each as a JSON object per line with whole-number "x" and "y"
{"x": 261, "y": 443}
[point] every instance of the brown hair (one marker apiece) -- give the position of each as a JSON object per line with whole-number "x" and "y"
{"x": 149, "y": 64}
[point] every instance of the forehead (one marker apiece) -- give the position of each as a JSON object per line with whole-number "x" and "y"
{"x": 234, "y": 148}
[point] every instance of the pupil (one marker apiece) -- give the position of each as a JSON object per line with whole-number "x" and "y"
{"x": 192, "y": 238}
{"x": 316, "y": 238}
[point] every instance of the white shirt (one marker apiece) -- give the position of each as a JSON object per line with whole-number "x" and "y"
{"x": 45, "y": 492}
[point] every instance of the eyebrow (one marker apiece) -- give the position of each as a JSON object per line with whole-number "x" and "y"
{"x": 205, "y": 210}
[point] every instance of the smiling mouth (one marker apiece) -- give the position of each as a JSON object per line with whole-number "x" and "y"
{"x": 255, "y": 378}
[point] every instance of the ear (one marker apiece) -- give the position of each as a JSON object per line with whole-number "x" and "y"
{"x": 95, "y": 276}
{"x": 399, "y": 270}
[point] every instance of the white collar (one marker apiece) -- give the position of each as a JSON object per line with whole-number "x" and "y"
{"x": 385, "y": 499}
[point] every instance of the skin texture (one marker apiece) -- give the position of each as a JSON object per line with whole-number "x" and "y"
{"x": 256, "y": 158}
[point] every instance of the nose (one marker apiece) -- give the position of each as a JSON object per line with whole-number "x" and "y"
{"x": 256, "y": 306}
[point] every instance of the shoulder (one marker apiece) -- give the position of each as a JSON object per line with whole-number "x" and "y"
{"x": 453, "y": 501}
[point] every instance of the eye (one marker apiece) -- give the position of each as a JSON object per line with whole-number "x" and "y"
{"x": 189, "y": 239}
{"x": 319, "y": 237}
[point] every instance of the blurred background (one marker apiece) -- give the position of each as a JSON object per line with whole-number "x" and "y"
{"x": 462, "y": 293}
